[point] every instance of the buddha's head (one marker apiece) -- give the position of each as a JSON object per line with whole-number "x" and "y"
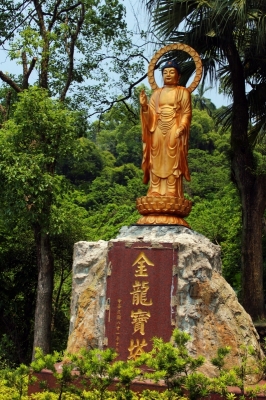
{"x": 171, "y": 73}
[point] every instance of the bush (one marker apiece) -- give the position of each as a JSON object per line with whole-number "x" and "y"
{"x": 98, "y": 369}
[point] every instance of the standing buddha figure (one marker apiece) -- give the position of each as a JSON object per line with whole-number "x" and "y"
{"x": 165, "y": 134}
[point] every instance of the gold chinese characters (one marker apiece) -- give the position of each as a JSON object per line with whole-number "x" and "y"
{"x": 118, "y": 324}
{"x": 139, "y": 294}
{"x": 140, "y": 316}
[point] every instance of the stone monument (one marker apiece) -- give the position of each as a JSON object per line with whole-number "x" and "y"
{"x": 146, "y": 282}
{"x": 158, "y": 275}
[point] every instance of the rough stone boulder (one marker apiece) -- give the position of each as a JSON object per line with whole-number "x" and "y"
{"x": 88, "y": 295}
{"x": 207, "y": 306}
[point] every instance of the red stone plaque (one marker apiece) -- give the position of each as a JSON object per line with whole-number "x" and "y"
{"x": 141, "y": 284}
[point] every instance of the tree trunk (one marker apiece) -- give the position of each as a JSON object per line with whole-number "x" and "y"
{"x": 252, "y": 189}
{"x": 43, "y": 310}
{"x": 253, "y": 205}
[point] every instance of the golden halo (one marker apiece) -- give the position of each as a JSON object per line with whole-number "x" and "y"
{"x": 170, "y": 47}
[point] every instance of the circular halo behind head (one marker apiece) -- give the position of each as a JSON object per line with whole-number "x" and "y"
{"x": 171, "y": 47}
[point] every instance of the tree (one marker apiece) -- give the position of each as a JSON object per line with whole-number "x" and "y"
{"x": 71, "y": 48}
{"x": 40, "y": 132}
{"x": 119, "y": 131}
{"x": 230, "y": 36}
{"x": 18, "y": 292}
{"x": 201, "y": 131}
{"x": 199, "y": 101}
{"x": 83, "y": 167}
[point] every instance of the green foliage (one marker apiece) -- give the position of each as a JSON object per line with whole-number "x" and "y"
{"x": 8, "y": 97}
{"x": 83, "y": 166}
{"x": 209, "y": 172}
{"x": 47, "y": 361}
{"x": 18, "y": 286}
{"x": 96, "y": 365}
{"x": 220, "y": 220}
{"x": 219, "y": 360}
{"x": 216, "y": 212}
{"x": 202, "y": 131}
{"x": 97, "y": 371}
{"x": 120, "y": 185}
{"x": 245, "y": 368}
{"x": 198, "y": 385}
{"x": 165, "y": 395}
{"x": 39, "y": 134}
{"x": 200, "y": 102}
{"x": 119, "y": 132}
{"x": 238, "y": 375}
{"x": 89, "y": 374}
{"x": 40, "y": 131}
{"x": 173, "y": 362}
{"x": 17, "y": 380}
{"x": 111, "y": 201}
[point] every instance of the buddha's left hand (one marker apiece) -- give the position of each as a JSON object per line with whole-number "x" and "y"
{"x": 179, "y": 131}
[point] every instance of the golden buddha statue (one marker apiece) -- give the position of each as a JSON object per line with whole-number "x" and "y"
{"x": 165, "y": 134}
{"x": 165, "y": 122}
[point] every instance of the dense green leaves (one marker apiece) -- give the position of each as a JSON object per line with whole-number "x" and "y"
{"x": 31, "y": 143}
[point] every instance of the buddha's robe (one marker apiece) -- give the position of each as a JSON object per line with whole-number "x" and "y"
{"x": 165, "y": 155}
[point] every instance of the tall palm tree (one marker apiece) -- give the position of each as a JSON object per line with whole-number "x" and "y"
{"x": 230, "y": 35}
{"x": 201, "y": 102}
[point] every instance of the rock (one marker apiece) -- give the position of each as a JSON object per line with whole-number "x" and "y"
{"x": 88, "y": 295}
{"x": 207, "y": 306}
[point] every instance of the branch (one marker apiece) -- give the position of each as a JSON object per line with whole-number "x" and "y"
{"x": 122, "y": 99}
{"x": 66, "y": 37}
{"x": 10, "y": 82}
{"x": 54, "y": 16}
{"x": 8, "y": 103}
{"x": 24, "y": 63}
{"x": 74, "y": 37}
{"x": 39, "y": 11}
{"x": 32, "y": 65}
{"x": 45, "y": 46}
{"x": 104, "y": 57}
{"x": 64, "y": 10}
{"x": 26, "y": 71}
{"x": 3, "y": 112}
{"x": 25, "y": 83}
{"x": 130, "y": 110}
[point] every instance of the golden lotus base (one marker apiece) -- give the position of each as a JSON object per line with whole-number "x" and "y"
{"x": 163, "y": 210}
{"x": 162, "y": 220}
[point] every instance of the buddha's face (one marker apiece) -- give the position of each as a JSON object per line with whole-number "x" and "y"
{"x": 170, "y": 76}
